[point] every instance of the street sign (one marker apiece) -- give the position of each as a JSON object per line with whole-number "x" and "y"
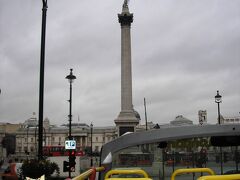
{"x": 70, "y": 144}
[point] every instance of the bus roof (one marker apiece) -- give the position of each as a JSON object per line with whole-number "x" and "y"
{"x": 168, "y": 134}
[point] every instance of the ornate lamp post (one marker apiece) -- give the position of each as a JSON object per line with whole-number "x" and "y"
{"x": 70, "y": 78}
{"x": 38, "y": 142}
{"x": 91, "y": 128}
{"x": 27, "y": 153}
{"x": 218, "y": 100}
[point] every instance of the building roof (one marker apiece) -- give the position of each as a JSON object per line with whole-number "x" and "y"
{"x": 181, "y": 121}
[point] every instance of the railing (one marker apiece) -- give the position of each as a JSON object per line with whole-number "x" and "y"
{"x": 191, "y": 170}
{"x": 221, "y": 177}
{"x": 89, "y": 174}
{"x": 142, "y": 173}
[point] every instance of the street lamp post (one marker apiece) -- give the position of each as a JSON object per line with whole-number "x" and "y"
{"x": 27, "y": 141}
{"x": 145, "y": 108}
{"x": 41, "y": 81}
{"x": 218, "y": 100}
{"x": 27, "y": 152}
{"x": 91, "y": 128}
{"x": 70, "y": 78}
{"x": 37, "y": 140}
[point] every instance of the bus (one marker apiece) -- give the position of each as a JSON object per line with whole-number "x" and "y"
{"x": 59, "y": 151}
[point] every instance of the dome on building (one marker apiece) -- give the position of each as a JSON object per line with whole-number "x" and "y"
{"x": 181, "y": 121}
{"x": 31, "y": 122}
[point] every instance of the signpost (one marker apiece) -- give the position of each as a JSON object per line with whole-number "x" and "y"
{"x": 70, "y": 144}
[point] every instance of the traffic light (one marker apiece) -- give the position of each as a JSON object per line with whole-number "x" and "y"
{"x": 72, "y": 160}
{"x": 65, "y": 166}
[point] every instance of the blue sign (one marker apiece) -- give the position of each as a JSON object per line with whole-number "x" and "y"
{"x": 70, "y": 144}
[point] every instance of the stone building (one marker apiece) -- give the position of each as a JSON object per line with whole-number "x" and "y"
{"x": 230, "y": 120}
{"x": 202, "y": 116}
{"x": 7, "y": 138}
{"x": 27, "y": 137}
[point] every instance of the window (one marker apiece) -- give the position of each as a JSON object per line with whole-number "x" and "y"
{"x": 32, "y": 149}
{"x": 97, "y": 139}
{"x": 31, "y": 139}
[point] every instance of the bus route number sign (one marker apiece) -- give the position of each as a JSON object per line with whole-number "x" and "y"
{"x": 70, "y": 144}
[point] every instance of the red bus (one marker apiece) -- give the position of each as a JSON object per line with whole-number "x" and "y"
{"x": 59, "y": 151}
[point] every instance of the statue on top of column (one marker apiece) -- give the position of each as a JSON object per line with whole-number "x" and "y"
{"x": 125, "y": 4}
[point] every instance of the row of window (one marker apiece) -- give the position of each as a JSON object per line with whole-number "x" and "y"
{"x": 232, "y": 120}
{"x": 25, "y": 149}
{"x": 33, "y": 149}
{"x": 60, "y": 139}
{"x": 98, "y": 139}
{"x": 31, "y": 140}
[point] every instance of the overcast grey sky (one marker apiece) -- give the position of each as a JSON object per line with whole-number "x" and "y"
{"x": 182, "y": 53}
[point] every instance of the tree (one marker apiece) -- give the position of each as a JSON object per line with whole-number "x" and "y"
{"x": 35, "y": 169}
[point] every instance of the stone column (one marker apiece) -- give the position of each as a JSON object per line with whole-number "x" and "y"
{"x": 126, "y": 120}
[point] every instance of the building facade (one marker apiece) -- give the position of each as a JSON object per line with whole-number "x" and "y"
{"x": 25, "y": 137}
{"x": 230, "y": 120}
{"x": 202, "y": 116}
{"x": 22, "y": 139}
{"x": 7, "y": 138}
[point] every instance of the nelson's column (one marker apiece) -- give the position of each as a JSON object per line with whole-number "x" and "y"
{"x": 126, "y": 120}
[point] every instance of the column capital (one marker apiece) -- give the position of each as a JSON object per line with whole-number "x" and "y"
{"x": 125, "y": 19}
